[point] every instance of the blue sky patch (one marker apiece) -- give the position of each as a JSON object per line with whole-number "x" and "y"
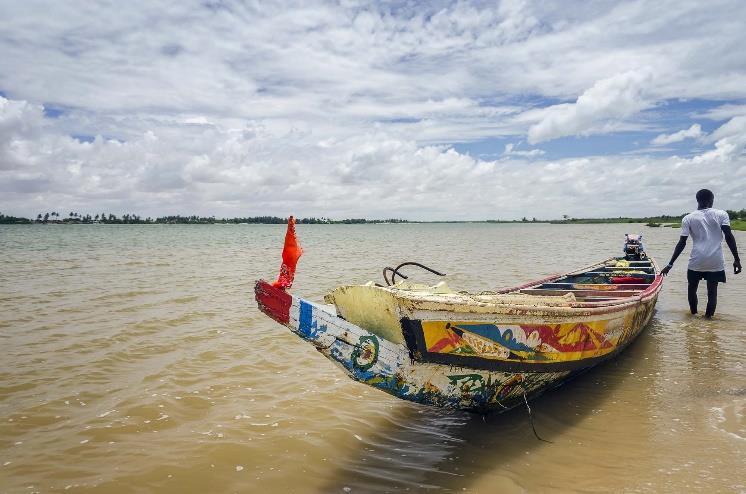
{"x": 53, "y": 111}
{"x": 84, "y": 137}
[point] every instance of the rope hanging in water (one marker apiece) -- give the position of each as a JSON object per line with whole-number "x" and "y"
{"x": 531, "y": 418}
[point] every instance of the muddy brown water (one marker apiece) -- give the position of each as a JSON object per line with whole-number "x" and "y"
{"x": 134, "y": 360}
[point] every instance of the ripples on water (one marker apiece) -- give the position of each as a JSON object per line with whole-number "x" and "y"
{"x": 135, "y": 360}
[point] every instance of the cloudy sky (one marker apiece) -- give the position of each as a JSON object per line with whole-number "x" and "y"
{"x": 419, "y": 110}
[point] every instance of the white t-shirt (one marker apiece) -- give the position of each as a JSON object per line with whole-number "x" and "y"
{"x": 703, "y": 225}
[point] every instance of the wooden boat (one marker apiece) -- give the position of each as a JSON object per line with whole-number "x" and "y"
{"x": 478, "y": 352}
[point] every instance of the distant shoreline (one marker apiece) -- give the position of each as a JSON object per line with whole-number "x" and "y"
{"x": 738, "y": 220}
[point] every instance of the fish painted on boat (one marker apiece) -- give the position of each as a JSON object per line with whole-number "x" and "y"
{"x": 477, "y": 352}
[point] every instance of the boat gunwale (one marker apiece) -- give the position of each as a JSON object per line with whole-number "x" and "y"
{"x": 576, "y": 309}
{"x": 618, "y": 303}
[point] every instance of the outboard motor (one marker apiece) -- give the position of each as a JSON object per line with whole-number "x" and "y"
{"x": 633, "y": 248}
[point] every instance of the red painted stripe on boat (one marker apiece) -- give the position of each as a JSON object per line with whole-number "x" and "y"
{"x": 657, "y": 282}
{"x": 273, "y": 301}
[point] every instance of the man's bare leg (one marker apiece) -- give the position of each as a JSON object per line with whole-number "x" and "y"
{"x": 693, "y": 296}
{"x": 712, "y": 298}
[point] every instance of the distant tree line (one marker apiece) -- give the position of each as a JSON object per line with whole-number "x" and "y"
{"x": 78, "y": 218}
{"x": 108, "y": 218}
{"x": 13, "y": 220}
{"x": 272, "y": 220}
{"x": 269, "y": 220}
{"x": 184, "y": 220}
{"x": 621, "y": 219}
{"x": 736, "y": 215}
{"x": 522, "y": 220}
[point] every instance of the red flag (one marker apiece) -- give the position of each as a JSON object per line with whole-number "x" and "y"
{"x": 290, "y": 255}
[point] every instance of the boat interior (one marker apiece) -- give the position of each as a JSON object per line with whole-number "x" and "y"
{"x": 614, "y": 279}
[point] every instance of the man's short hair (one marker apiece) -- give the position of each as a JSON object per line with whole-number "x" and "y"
{"x": 705, "y": 196}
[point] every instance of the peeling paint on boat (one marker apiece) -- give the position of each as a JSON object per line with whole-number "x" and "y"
{"x": 387, "y": 366}
{"x": 456, "y": 350}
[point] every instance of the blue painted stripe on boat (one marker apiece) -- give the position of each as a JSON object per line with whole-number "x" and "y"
{"x": 305, "y": 320}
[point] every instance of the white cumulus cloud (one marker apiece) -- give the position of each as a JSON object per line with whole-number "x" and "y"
{"x": 730, "y": 141}
{"x": 249, "y": 169}
{"x": 614, "y": 98}
{"x": 693, "y": 132}
{"x": 510, "y": 150}
{"x": 358, "y": 108}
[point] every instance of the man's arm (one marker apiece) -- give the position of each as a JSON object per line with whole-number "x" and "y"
{"x": 731, "y": 241}
{"x": 676, "y": 253}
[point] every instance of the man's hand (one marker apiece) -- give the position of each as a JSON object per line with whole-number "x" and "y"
{"x": 665, "y": 270}
{"x": 731, "y": 241}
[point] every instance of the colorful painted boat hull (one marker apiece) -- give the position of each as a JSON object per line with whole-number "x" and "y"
{"x": 554, "y": 324}
{"x": 505, "y": 362}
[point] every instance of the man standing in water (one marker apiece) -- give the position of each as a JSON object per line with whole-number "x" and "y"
{"x": 707, "y": 227}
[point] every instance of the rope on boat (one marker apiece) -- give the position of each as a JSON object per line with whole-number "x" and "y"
{"x": 395, "y": 271}
{"x": 386, "y": 270}
{"x": 531, "y": 417}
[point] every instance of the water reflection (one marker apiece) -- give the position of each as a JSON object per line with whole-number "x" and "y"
{"x": 703, "y": 351}
{"x": 422, "y": 448}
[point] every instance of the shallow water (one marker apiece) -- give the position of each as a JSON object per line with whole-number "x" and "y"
{"x": 134, "y": 360}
